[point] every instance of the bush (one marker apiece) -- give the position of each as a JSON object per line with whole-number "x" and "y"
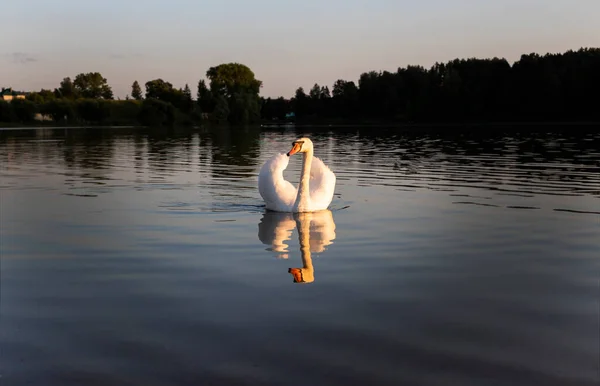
{"x": 7, "y": 113}
{"x": 60, "y": 110}
{"x": 156, "y": 113}
{"x": 24, "y": 110}
{"x": 124, "y": 112}
{"x": 93, "y": 110}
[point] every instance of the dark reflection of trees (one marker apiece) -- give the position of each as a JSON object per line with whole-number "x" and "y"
{"x": 139, "y": 152}
{"x": 16, "y": 147}
{"x": 527, "y": 152}
{"x": 68, "y": 153}
{"x": 91, "y": 151}
{"x": 204, "y": 150}
{"x": 97, "y": 148}
{"x": 166, "y": 147}
{"x": 521, "y": 151}
{"x": 186, "y": 143}
{"x": 233, "y": 146}
{"x": 159, "y": 145}
{"x": 7, "y": 136}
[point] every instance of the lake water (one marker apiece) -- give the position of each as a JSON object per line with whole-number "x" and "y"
{"x": 135, "y": 256}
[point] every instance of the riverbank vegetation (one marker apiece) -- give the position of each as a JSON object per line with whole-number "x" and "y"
{"x": 559, "y": 87}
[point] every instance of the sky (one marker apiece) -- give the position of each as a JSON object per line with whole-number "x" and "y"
{"x": 287, "y": 44}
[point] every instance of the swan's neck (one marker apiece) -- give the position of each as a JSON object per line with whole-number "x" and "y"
{"x": 303, "y": 224}
{"x": 304, "y": 239}
{"x": 303, "y": 189}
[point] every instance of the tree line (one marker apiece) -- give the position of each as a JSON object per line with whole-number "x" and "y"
{"x": 553, "y": 87}
{"x": 230, "y": 96}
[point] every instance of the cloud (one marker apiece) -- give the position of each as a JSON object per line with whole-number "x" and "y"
{"x": 21, "y": 58}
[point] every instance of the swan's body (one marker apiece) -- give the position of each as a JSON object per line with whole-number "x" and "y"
{"x": 316, "y": 187}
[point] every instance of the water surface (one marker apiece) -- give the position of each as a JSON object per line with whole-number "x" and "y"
{"x": 138, "y": 256}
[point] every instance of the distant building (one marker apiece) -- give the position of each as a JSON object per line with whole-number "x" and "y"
{"x": 8, "y": 94}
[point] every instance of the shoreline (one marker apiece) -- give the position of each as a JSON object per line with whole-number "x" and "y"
{"x": 285, "y": 125}
{"x": 427, "y": 125}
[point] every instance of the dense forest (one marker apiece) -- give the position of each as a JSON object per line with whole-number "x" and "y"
{"x": 551, "y": 88}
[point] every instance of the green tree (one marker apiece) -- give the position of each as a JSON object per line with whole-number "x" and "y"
{"x": 235, "y": 84}
{"x": 155, "y": 112}
{"x": 244, "y": 108}
{"x": 230, "y": 78}
{"x": 300, "y": 102}
{"x": 275, "y": 108}
{"x": 93, "y": 110}
{"x": 24, "y": 110}
{"x": 59, "y": 109}
{"x": 187, "y": 104}
{"x": 7, "y": 113}
{"x": 124, "y": 112}
{"x": 205, "y": 98}
{"x": 158, "y": 89}
{"x": 92, "y": 85}
{"x": 221, "y": 108}
{"x": 315, "y": 91}
{"x": 344, "y": 99}
{"x": 39, "y": 97}
{"x": 136, "y": 91}
{"x": 66, "y": 89}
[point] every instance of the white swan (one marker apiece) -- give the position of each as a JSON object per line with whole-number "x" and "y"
{"x": 316, "y": 187}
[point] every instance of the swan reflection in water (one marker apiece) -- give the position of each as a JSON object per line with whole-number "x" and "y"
{"x": 316, "y": 230}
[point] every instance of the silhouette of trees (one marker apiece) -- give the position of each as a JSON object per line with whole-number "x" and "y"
{"x": 553, "y": 87}
{"x": 187, "y": 104}
{"x": 155, "y": 112}
{"x": 275, "y": 108}
{"x": 205, "y": 100}
{"x": 560, "y": 87}
{"x": 92, "y": 85}
{"x": 221, "y": 111}
{"x": 92, "y": 110}
{"x": 66, "y": 89}
{"x": 136, "y": 91}
{"x": 236, "y": 84}
{"x": 24, "y": 110}
{"x": 7, "y": 113}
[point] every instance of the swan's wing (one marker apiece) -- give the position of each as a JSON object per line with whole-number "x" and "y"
{"x": 277, "y": 193}
{"x": 322, "y": 183}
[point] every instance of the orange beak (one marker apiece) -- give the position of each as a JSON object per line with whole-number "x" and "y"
{"x": 294, "y": 150}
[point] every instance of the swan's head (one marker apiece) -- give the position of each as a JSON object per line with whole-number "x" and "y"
{"x": 302, "y": 275}
{"x": 301, "y": 145}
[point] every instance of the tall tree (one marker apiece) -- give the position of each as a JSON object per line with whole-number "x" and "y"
{"x": 187, "y": 92}
{"x": 221, "y": 108}
{"x": 315, "y": 91}
{"x": 92, "y": 85}
{"x": 187, "y": 103}
{"x": 205, "y": 98}
{"x": 237, "y": 84}
{"x": 229, "y": 78}
{"x": 66, "y": 89}
{"x": 136, "y": 91}
{"x": 159, "y": 89}
{"x": 300, "y": 102}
